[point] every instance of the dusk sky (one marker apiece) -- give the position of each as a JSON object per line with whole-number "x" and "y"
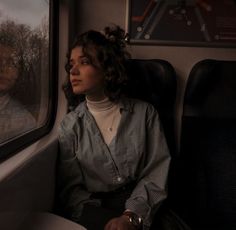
{"x": 28, "y": 12}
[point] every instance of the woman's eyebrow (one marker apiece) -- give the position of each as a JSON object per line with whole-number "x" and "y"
{"x": 83, "y": 56}
{"x": 79, "y": 57}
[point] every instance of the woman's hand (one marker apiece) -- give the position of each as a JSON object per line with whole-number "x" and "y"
{"x": 119, "y": 223}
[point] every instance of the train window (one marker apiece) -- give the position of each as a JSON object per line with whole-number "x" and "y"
{"x": 25, "y": 71}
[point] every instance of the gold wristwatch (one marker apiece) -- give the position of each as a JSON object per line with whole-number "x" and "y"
{"x": 134, "y": 219}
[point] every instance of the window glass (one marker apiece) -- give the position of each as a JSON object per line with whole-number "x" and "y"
{"x": 24, "y": 66}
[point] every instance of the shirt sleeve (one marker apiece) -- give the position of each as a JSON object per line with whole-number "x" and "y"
{"x": 151, "y": 188}
{"x": 72, "y": 193}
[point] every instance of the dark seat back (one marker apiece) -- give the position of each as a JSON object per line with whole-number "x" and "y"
{"x": 203, "y": 184}
{"x": 154, "y": 81}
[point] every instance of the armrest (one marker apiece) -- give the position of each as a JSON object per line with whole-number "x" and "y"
{"x": 49, "y": 221}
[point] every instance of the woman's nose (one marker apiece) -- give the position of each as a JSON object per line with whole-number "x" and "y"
{"x": 74, "y": 70}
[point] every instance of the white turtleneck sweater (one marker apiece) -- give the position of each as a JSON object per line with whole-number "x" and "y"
{"x": 107, "y": 116}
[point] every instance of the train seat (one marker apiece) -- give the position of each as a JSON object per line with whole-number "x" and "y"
{"x": 154, "y": 81}
{"x": 203, "y": 186}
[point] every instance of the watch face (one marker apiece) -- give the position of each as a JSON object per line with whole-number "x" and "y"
{"x": 136, "y": 220}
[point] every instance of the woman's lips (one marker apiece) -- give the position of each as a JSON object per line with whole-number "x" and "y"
{"x": 75, "y": 82}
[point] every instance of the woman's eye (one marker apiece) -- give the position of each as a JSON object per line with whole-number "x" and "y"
{"x": 85, "y": 62}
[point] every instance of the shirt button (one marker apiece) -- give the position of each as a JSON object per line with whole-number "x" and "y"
{"x": 119, "y": 179}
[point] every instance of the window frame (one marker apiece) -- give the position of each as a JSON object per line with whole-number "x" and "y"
{"x": 14, "y": 145}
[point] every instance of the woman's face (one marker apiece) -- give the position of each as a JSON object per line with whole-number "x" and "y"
{"x": 8, "y": 70}
{"x": 86, "y": 78}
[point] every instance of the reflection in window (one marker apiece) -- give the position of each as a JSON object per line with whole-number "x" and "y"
{"x": 24, "y": 66}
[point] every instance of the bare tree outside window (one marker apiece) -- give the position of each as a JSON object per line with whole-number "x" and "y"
{"x": 24, "y": 67}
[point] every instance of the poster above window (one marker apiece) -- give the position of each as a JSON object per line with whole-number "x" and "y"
{"x": 209, "y": 23}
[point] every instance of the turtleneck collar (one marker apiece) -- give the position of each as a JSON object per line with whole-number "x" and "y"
{"x": 99, "y": 106}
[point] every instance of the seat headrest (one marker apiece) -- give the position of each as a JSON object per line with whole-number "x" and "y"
{"x": 211, "y": 89}
{"x": 153, "y": 81}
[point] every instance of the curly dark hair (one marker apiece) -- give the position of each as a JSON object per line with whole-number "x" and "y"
{"x": 110, "y": 52}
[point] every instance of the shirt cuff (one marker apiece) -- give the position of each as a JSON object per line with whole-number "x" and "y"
{"x": 140, "y": 207}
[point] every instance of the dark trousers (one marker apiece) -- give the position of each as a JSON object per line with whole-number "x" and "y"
{"x": 112, "y": 205}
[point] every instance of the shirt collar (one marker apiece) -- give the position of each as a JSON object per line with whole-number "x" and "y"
{"x": 126, "y": 104}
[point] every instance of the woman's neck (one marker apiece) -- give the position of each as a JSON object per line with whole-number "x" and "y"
{"x": 101, "y": 105}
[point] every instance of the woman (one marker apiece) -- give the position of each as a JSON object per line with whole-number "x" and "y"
{"x": 113, "y": 160}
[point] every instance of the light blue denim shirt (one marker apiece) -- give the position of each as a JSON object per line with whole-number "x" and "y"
{"x": 138, "y": 152}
